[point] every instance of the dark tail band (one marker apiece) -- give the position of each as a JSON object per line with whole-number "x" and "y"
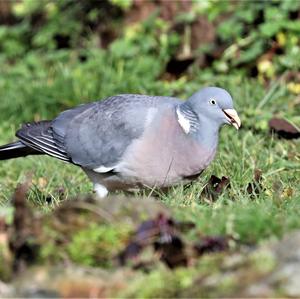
{"x": 15, "y": 150}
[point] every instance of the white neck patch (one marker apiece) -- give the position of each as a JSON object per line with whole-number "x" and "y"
{"x": 183, "y": 122}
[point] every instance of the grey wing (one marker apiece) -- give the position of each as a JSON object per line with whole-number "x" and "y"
{"x": 97, "y": 135}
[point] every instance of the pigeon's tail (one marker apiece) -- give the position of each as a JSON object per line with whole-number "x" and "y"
{"x": 15, "y": 150}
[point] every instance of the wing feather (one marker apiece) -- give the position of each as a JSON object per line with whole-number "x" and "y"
{"x": 39, "y": 137}
{"x": 97, "y": 135}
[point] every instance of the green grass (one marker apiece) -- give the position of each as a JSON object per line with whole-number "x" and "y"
{"x": 38, "y": 87}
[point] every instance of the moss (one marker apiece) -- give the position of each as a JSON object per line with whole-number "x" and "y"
{"x": 6, "y": 263}
{"x": 97, "y": 244}
{"x": 161, "y": 283}
{"x": 263, "y": 261}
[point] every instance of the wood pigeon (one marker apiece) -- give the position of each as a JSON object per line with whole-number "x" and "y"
{"x": 131, "y": 141}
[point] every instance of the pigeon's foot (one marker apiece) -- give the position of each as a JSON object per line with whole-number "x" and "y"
{"x": 101, "y": 191}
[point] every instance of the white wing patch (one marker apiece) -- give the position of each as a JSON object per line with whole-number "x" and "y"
{"x": 183, "y": 122}
{"x": 103, "y": 169}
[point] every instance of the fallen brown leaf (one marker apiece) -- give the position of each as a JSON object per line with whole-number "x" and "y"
{"x": 215, "y": 187}
{"x": 161, "y": 234}
{"x": 283, "y": 128}
{"x": 255, "y": 187}
{"x": 209, "y": 244}
{"x": 23, "y": 250}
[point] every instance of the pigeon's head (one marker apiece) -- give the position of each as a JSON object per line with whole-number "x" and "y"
{"x": 215, "y": 104}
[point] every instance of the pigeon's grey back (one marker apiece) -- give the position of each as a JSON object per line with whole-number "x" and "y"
{"x": 98, "y": 134}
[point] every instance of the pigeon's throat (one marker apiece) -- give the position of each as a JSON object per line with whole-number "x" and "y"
{"x": 187, "y": 119}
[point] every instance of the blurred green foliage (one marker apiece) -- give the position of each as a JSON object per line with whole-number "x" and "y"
{"x": 256, "y": 28}
{"x": 53, "y": 44}
{"x": 260, "y": 35}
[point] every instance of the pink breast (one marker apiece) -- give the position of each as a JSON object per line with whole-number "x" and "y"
{"x": 164, "y": 155}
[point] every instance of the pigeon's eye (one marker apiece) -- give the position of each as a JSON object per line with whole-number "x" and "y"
{"x": 212, "y": 102}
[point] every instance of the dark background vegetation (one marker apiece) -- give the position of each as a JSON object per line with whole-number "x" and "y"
{"x": 138, "y": 46}
{"x": 58, "y": 54}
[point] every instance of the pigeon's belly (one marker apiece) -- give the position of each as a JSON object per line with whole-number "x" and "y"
{"x": 165, "y": 158}
{"x": 167, "y": 169}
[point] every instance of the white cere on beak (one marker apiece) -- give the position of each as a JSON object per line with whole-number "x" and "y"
{"x": 183, "y": 122}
